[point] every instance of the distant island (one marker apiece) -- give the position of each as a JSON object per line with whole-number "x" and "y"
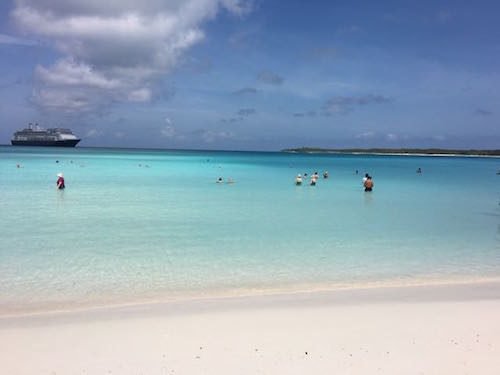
{"x": 393, "y": 151}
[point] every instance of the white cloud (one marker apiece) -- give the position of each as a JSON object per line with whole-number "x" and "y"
{"x": 168, "y": 131}
{"x": 69, "y": 73}
{"x": 365, "y": 135}
{"x": 68, "y": 101}
{"x": 93, "y": 133}
{"x": 112, "y": 50}
{"x": 140, "y": 95}
{"x": 210, "y": 136}
{"x": 438, "y": 137}
{"x": 392, "y": 137}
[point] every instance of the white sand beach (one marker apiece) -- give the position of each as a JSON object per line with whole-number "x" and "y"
{"x": 448, "y": 329}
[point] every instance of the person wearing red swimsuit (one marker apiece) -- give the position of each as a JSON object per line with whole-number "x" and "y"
{"x": 60, "y": 181}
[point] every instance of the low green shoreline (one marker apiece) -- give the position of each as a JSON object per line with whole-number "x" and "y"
{"x": 393, "y": 151}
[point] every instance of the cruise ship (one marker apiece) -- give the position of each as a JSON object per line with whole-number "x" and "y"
{"x": 37, "y": 136}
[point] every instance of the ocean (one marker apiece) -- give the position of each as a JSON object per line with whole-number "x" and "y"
{"x": 153, "y": 225}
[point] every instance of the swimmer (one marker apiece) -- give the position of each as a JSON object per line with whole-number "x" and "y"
{"x": 325, "y": 174}
{"x": 419, "y": 170}
{"x": 219, "y": 180}
{"x": 60, "y": 181}
{"x": 368, "y": 184}
{"x": 298, "y": 180}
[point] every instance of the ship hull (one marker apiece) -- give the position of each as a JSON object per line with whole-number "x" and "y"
{"x": 65, "y": 143}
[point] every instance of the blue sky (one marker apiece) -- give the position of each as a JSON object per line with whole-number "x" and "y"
{"x": 253, "y": 75}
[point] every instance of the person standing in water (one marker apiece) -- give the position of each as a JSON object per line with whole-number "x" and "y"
{"x": 314, "y": 179}
{"x": 60, "y": 181}
{"x": 368, "y": 184}
{"x": 365, "y": 178}
{"x": 298, "y": 180}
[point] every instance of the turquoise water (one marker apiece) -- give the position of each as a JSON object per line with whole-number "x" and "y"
{"x": 136, "y": 225}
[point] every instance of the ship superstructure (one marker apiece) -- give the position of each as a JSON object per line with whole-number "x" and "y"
{"x": 34, "y": 135}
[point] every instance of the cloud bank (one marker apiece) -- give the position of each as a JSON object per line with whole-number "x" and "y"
{"x": 112, "y": 50}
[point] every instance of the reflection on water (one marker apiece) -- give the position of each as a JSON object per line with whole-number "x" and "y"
{"x": 60, "y": 196}
{"x": 368, "y": 198}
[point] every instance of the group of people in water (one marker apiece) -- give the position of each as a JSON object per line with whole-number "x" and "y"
{"x": 314, "y": 178}
{"x": 367, "y": 180}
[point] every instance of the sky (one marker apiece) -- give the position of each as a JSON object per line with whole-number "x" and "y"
{"x": 253, "y": 74}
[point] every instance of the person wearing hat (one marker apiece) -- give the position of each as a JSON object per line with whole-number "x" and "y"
{"x": 60, "y": 181}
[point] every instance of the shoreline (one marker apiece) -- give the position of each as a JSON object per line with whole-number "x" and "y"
{"x": 412, "y": 330}
{"x": 159, "y": 299}
{"x": 238, "y": 294}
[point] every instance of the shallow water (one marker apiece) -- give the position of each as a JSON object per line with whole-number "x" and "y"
{"x": 149, "y": 224}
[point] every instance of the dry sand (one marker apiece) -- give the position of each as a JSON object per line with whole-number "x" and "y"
{"x": 410, "y": 330}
